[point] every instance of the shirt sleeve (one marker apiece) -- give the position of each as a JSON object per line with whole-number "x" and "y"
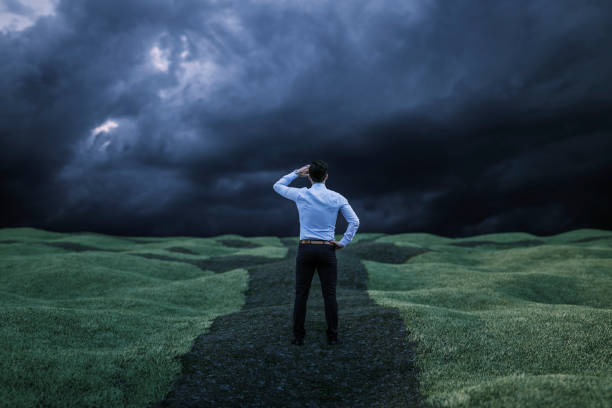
{"x": 353, "y": 222}
{"x": 288, "y": 192}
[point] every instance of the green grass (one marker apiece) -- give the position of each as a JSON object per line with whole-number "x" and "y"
{"x": 519, "y": 326}
{"x": 519, "y": 320}
{"x": 98, "y": 328}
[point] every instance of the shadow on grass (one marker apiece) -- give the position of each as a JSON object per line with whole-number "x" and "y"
{"x": 246, "y": 359}
{"x": 589, "y": 239}
{"x": 217, "y": 264}
{"x": 73, "y": 246}
{"x": 182, "y": 250}
{"x": 500, "y": 245}
{"x": 238, "y": 243}
{"x": 387, "y": 252}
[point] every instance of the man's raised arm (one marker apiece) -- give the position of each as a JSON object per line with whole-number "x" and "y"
{"x": 351, "y": 218}
{"x": 281, "y": 186}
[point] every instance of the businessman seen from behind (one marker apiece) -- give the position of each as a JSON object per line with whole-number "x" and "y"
{"x": 318, "y": 209}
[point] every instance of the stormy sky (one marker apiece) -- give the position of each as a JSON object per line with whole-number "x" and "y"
{"x": 160, "y": 117}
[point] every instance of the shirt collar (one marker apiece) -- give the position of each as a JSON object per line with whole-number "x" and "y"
{"x": 318, "y": 185}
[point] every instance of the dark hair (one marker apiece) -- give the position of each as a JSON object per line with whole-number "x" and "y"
{"x": 317, "y": 171}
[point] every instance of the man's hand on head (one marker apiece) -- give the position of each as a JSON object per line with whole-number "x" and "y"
{"x": 303, "y": 171}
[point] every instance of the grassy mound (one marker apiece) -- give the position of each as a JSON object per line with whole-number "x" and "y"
{"x": 85, "y": 322}
{"x": 507, "y": 320}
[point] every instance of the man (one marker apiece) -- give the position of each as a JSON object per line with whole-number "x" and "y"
{"x": 318, "y": 210}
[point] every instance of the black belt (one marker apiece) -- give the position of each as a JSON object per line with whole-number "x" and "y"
{"x": 313, "y": 241}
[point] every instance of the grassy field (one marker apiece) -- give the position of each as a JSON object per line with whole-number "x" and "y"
{"x": 498, "y": 320}
{"x": 86, "y": 322}
{"x": 506, "y": 319}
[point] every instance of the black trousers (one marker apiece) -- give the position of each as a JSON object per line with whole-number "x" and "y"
{"x": 321, "y": 257}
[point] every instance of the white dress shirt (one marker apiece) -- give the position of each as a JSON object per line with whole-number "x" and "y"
{"x": 318, "y": 209}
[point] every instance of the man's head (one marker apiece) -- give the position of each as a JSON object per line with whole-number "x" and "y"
{"x": 317, "y": 172}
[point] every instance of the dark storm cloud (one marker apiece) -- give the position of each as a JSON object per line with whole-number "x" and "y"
{"x": 160, "y": 117}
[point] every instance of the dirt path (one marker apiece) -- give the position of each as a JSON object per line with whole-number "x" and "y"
{"x": 246, "y": 359}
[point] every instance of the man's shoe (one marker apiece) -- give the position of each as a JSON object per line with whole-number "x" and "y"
{"x": 333, "y": 342}
{"x": 297, "y": 342}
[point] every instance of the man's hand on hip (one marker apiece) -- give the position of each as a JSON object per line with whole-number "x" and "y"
{"x": 337, "y": 245}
